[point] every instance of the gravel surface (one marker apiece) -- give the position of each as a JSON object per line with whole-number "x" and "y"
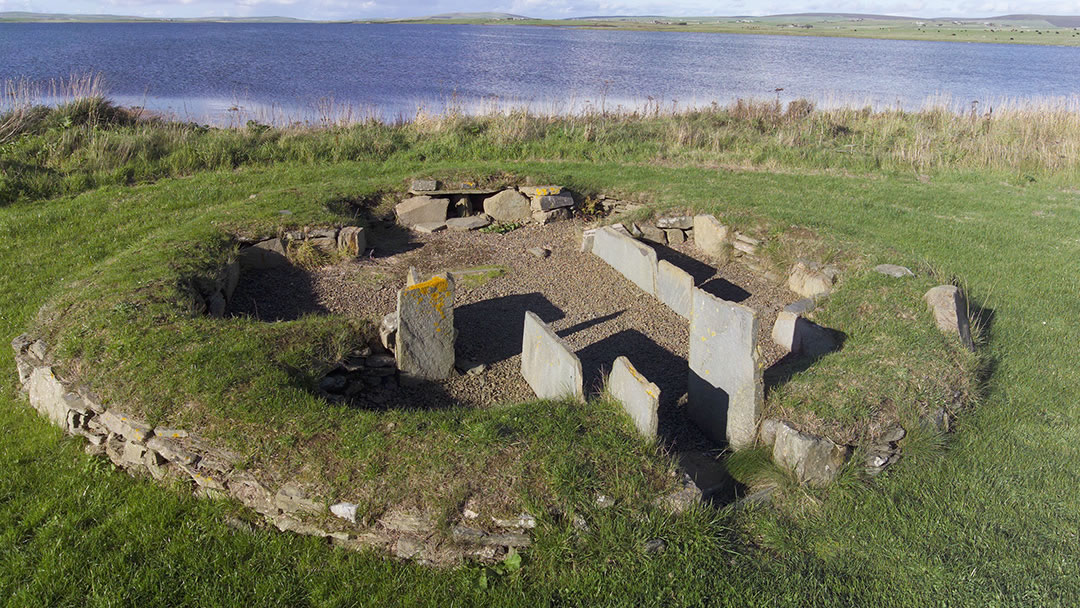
{"x": 599, "y": 313}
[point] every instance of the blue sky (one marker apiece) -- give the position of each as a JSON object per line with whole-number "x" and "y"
{"x": 345, "y": 9}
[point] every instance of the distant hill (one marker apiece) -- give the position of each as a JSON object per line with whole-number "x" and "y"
{"x": 490, "y": 16}
{"x": 1054, "y": 20}
{"x": 22, "y": 16}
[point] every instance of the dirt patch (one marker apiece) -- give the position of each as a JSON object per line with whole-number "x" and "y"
{"x": 599, "y": 313}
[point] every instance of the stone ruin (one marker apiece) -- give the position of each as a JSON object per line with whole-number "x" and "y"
{"x": 724, "y": 373}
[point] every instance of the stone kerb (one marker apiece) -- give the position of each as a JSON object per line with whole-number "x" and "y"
{"x": 639, "y": 397}
{"x": 725, "y": 389}
{"x": 635, "y": 261}
{"x": 674, "y": 287}
{"x": 424, "y": 344}
{"x": 547, "y": 364}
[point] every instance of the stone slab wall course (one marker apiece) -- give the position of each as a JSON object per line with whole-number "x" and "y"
{"x": 550, "y": 368}
{"x": 725, "y": 388}
{"x": 635, "y": 261}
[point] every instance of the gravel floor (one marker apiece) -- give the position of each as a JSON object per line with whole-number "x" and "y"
{"x": 596, "y": 310}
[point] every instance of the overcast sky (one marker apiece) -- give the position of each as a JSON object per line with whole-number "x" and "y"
{"x": 365, "y": 9}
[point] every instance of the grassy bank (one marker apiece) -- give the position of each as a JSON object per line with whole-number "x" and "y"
{"x": 986, "y": 521}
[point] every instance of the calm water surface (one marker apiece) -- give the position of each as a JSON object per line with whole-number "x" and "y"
{"x": 230, "y": 72}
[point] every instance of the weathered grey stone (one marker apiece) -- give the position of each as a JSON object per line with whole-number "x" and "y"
{"x": 682, "y": 499}
{"x": 465, "y": 534}
{"x": 263, "y": 255}
{"x": 345, "y": 510}
{"x": 429, "y": 227}
{"x": 674, "y": 287}
{"x": 801, "y": 336}
{"x": 540, "y": 252}
{"x": 388, "y": 331}
{"x": 508, "y": 206}
{"x": 170, "y": 433}
{"x": 408, "y": 548}
{"x": 216, "y": 305}
{"x": 810, "y": 279}
{"x": 639, "y": 397}
{"x": 894, "y": 271}
{"x": 421, "y": 210}
{"x": 291, "y": 498}
{"x": 409, "y": 521}
{"x": 51, "y": 398}
{"x": 652, "y": 233}
{"x": 125, "y": 426}
{"x": 675, "y": 236}
{"x": 635, "y": 261}
{"x": 424, "y": 345}
{"x": 893, "y": 435}
{"x": 170, "y": 450}
{"x": 681, "y": 222}
{"x": 461, "y": 205}
{"x": 801, "y": 307}
{"x": 814, "y": 460}
{"x": 549, "y": 202}
{"x": 508, "y": 539}
{"x": 156, "y": 465}
{"x": 587, "y": 240}
{"x": 205, "y": 479}
{"x": 286, "y": 523}
{"x": 535, "y": 191}
{"x": 424, "y": 185}
{"x": 725, "y": 390}
{"x": 231, "y": 279}
{"x": 950, "y": 310}
{"x": 524, "y": 521}
{"x": 252, "y": 494}
{"x": 769, "y": 426}
{"x": 546, "y": 217}
{"x": 749, "y": 240}
{"x": 655, "y": 546}
{"x": 712, "y": 237}
{"x": 352, "y": 240}
{"x": 38, "y": 349}
{"x": 744, "y": 247}
{"x": 550, "y": 368}
{"x": 464, "y": 224}
{"x": 134, "y": 455}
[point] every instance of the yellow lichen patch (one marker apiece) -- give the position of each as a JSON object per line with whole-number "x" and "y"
{"x": 436, "y": 289}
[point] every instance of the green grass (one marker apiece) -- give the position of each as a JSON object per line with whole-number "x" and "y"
{"x": 989, "y": 520}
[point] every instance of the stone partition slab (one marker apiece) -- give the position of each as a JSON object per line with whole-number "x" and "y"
{"x": 424, "y": 345}
{"x": 639, "y": 397}
{"x": 547, "y": 363}
{"x": 674, "y": 287}
{"x": 635, "y": 261}
{"x": 725, "y": 385}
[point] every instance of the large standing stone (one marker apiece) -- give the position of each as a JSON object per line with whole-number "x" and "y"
{"x": 508, "y": 206}
{"x": 424, "y": 344}
{"x": 421, "y": 210}
{"x": 547, "y": 363}
{"x": 950, "y": 310}
{"x": 639, "y": 397}
{"x": 725, "y": 386}
{"x": 636, "y": 261}
{"x": 813, "y": 460}
{"x": 712, "y": 237}
{"x": 674, "y": 287}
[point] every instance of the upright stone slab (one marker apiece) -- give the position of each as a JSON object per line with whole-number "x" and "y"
{"x": 639, "y": 397}
{"x": 547, "y": 363}
{"x": 674, "y": 287}
{"x": 424, "y": 345}
{"x": 635, "y": 261}
{"x": 725, "y": 390}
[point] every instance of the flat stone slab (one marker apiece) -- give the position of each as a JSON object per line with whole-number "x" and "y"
{"x": 674, "y": 287}
{"x": 639, "y": 397}
{"x": 894, "y": 271}
{"x": 950, "y": 310}
{"x": 552, "y": 201}
{"x": 424, "y": 343}
{"x": 464, "y": 224}
{"x": 725, "y": 389}
{"x": 453, "y": 191}
{"x": 635, "y": 261}
{"x": 547, "y": 364}
{"x": 813, "y": 460}
{"x": 429, "y": 227}
{"x": 421, "y": 210}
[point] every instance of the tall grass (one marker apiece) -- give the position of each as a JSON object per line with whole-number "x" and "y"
{"x": 86, "y": 141}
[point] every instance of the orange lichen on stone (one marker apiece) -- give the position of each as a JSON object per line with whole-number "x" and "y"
{"x": 436, "y": 289}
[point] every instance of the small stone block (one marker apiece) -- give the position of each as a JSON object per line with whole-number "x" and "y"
{"x": 429, "y": 227}
{"x": 894, "y": 271}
